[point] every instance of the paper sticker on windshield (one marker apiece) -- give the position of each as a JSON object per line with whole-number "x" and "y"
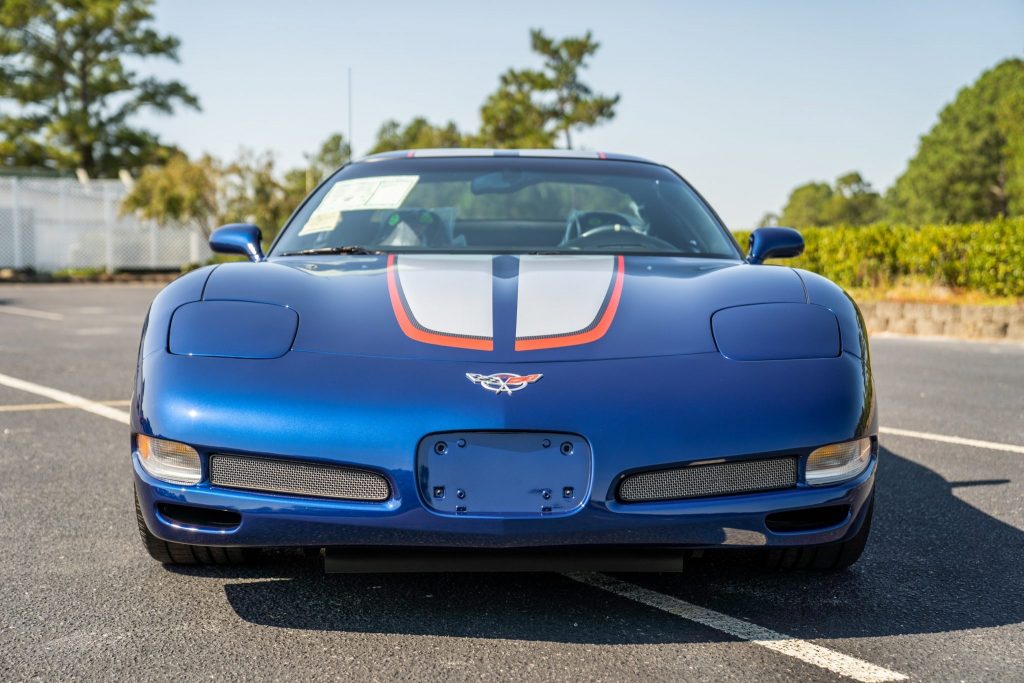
{"x": 381, "y": 192}
{"x": 321, "y": 221}
{"x": 359, "y": 194}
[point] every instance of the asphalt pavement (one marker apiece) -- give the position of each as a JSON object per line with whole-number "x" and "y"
{"x": 936, "y": 596}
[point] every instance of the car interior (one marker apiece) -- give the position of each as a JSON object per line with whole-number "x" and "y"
{"x": 504, "y": 212}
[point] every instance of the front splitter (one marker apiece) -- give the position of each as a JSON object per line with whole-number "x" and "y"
{"x": 366, "y": 560}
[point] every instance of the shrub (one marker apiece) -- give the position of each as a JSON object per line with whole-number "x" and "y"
{"x": 987, "y": 257}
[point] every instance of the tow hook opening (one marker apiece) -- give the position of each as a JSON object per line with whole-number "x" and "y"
{"x": 188, "y": 515}
{"x": 807, "y": 519}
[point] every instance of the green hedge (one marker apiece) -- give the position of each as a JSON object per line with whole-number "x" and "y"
{"x": 988, "y": 257}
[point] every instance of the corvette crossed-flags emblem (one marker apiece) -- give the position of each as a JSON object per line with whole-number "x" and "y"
{"x": 503, "y": 382}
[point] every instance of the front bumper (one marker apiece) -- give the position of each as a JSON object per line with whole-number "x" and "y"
{"x": 347, "y": 411}
{"x": 273, "y": 520}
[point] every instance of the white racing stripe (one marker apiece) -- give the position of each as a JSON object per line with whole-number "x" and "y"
{"x": 79, "y": 402}
{"x": 844, "y": 665}
{"x": 958, "y": 440}
{"x": 561, "y": 294}
{"x": 30, "y": 312}
{"x": 449, "y": 294}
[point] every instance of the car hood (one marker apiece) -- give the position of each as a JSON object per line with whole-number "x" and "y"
{"x": 505, "y": 308}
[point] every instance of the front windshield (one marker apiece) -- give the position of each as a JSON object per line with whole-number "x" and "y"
{"x": 506, "y": 205}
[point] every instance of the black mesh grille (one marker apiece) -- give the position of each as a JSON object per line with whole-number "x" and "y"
{"x": 701, "y": 481}
{"x": 297, "y": 478}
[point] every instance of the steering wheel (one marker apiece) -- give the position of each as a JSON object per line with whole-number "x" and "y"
{"x": 608, "y": 236}
{"x": 585, "y": 222}
{"x": 608, "y": 229}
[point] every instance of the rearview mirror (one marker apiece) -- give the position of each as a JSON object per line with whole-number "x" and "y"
{"x": 766, "y": 243}
{"x": 238, "y": 238}
{"x": 503, "y": 182}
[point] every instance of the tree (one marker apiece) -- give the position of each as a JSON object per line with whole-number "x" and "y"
{"x": 854, "y": 202}
{"x": 62, "y": 70}
{"x": 574, "y": 104}
{"x": 334, "y": 152}
{"x": 769, "y": 219}
{"x": 1010, "y": 120}
{"x": 850, "y": 201}
{"x": 807, "y": 205}
{"x": 418, "y": 134}
{"x": 530, "y": 107}
{"x": 970, "y": 165}
{"x": 250, "y": 193}
{"x": 181, "y": 191}
{"x": 207, "y": 193}
{"x": 511, "y": 115}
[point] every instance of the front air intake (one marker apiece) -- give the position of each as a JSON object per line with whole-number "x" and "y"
{"x": 703, "y": 481}
{"x": 294, "y": 477}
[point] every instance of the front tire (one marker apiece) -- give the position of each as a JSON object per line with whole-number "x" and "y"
{"x": 828, "y": 557}
{"x": 168, "y": 552}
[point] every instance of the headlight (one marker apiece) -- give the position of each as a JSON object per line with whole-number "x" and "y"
{"x": 169, "y": 460}
{"x": 232, "y": 329}
{"x": 776, "y": 332}
{"x": 838, "y": 462}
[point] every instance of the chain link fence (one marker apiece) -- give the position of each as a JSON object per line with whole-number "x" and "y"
{"x": 50, "y": 224}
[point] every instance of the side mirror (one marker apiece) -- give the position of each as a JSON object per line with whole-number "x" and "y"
{"x": 768, "y": 243}
{"x": 238, "y": 238}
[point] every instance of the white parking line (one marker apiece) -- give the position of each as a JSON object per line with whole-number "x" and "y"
{"x": 30, "y": 312}
{"x": 958, "y": 440}
{"x": 80, "y": 402}
{"x": 819, "y": 656}
{"x": 844, "y": 665}
{"x": 98, "y": 331}
{"x": 941, "y": 339}
{"x": 28, "y": 407}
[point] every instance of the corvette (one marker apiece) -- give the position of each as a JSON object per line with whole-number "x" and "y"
{"x": 527, "y": 359}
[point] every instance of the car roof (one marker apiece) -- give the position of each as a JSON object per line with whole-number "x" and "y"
{"x": 457, "y": 152}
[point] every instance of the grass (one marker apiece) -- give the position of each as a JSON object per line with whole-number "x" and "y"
{"x": 79, "y": 273}
{"x": 913, "y": 291}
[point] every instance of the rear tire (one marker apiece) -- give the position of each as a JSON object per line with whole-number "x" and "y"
{"x": 168, "y": 552}
{"x": 828, "y": 557}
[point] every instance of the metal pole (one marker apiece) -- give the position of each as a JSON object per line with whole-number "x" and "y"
{"x": 65, "y": 238}
{"x": 16, "y": 222}
{"x": 152, "y": 245}
{"x": 193, "y": 246}
{"x": 108, "y": 220}
{"x": 351, "y": 149}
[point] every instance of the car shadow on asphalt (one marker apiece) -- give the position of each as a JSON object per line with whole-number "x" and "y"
{"x": 934, "y": 564}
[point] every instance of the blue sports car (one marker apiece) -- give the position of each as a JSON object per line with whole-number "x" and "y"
{"x": 496, "y": 359}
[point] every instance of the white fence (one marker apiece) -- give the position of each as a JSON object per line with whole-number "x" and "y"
{"x": 53, "y": 223}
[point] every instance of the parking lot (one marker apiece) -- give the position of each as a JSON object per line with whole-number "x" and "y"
{"x": 937, "y": 595}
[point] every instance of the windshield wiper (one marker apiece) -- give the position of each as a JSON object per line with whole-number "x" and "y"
{"x": 320, "y": 251}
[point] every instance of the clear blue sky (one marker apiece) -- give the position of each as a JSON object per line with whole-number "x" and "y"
{"x": 745, "y": 98}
